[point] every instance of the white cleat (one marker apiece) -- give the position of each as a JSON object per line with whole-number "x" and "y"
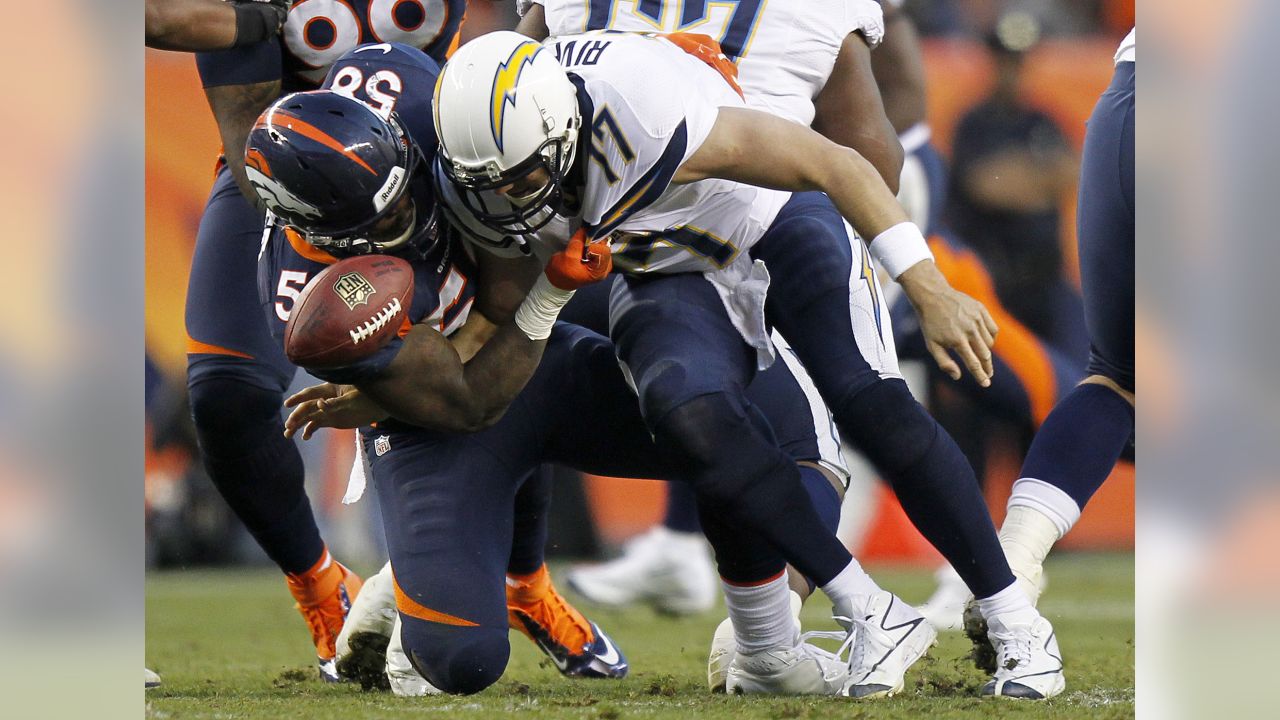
{"x": 945, "y": 608}
{"x": 362, "y": 645}
{"x": 404, "y": 680}
{"x": 801, "y": 670}
{"x": 150, "y": 679}
{"x": 1029, "y": 664}
{"x": 888, "y": 638}
{"x": 671, "y": 570}
{"x": 724, "y": 647}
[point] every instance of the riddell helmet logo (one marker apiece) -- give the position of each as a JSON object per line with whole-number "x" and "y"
{"x": 354, "y": 289}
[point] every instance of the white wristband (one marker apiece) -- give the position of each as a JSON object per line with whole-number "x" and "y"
{"x": 540, "y": 309}
{"x": 900, "y": 247}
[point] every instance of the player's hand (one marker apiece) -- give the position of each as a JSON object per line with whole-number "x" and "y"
{"x": 329, "y": 405}
{"x": 581, "y": 263}
{"x": 951, "y": 320}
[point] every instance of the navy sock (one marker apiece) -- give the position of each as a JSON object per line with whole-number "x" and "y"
{"x": 931, "y": 478}
{"x": 529, "y": 531}
{"x": 682, "y": 509}
{"x": 1079, "y": 443}
{"x": 256, "y": 469}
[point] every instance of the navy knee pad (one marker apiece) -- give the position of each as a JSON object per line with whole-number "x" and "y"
{"x": 232, "y": 415}
{"x": 459, "y": 661}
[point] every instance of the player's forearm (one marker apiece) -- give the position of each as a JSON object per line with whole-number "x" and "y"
{"x": 190, "y": 25}
{"x": 858, "y": 191}
{"x": 534, "y": 24}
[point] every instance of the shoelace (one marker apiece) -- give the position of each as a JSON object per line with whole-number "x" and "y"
{"x": 564, "y": 621}
{"x": 320, "y": 621}
{"x": 1015, "y": 649}
{"x": 854, "y": 641}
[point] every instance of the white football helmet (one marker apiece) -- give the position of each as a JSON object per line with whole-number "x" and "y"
{"x": 505, "y": 109}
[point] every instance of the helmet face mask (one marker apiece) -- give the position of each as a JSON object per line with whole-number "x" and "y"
{"x": 507, "y": 212}
{"x": 508, "y": 120}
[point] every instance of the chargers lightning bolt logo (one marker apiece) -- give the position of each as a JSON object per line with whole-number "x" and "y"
{"x": 504, "y": 85}
{"x": 869, "y": 274}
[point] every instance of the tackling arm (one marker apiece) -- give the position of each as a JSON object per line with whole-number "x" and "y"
{"x": 899, "y": 70}
{"x": 850, "y": 112}
{"x": 756, "y": 148}
{"x": 534, "y": 23}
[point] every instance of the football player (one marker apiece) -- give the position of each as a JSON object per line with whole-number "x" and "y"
{"x": 449, "y": 496}
{"x": 236, "y": 373}
{"x": 1086, "y": 433}
{"x": 657, "y": 175}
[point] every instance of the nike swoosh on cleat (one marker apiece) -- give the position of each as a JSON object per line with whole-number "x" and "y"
{"x": 610, "y": 656}
{"x": 562, "y": 664}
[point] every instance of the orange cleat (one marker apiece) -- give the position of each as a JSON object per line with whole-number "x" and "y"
{"x": 324, "y": 594}
{"x": 576, "y": 645}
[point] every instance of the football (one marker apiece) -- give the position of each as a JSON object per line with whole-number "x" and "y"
{"x": 349, "y": 311}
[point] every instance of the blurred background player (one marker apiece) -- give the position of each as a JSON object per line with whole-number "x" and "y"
{"x": 195, "y": 25}
{"x": 236, "y": 373}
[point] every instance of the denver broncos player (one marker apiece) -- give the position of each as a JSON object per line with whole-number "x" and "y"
{"x": 323, "y": 193}
{"x": 236, "y": 374}
{"x": 655, "y": 175}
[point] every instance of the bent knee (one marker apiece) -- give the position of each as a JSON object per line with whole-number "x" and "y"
{"x": 458, "y": 661}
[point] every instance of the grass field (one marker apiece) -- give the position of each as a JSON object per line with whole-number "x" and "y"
{"x": 230, "y": 645}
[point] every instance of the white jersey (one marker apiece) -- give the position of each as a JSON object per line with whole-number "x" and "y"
{"x": 1128, "y": 51}
{"x": 785, "y": 51}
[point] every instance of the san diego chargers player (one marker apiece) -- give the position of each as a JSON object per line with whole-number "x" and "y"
{"x": 669, "y": 135}
{"x": 781, "y": 71}
{"x": 1086, "y": 433}
{"x": 236, "y": 374}
{"x": 578, "y": 384}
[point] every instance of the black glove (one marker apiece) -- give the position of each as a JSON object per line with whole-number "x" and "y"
{"x": 258, "y": 20}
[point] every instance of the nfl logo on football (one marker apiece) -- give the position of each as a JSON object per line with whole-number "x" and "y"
{"x": 354, "y": 289}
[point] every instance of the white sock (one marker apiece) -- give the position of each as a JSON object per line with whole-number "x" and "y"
{"x": 851, "y": 588}
{"x": 1048, "y": 499}
{"x": 761, "y": 615}
{"x": 1027, "y": 535}
{"x": 1008, "y": 607}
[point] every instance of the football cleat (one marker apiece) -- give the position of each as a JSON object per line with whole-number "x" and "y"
{"x": 673, "y": 571}
{"x": 724, "y": 646}
{"x": 945, "y": 608}
{"x": 1028, "y": 662}
{"x": 361, "y": 647}
{"x": 150, "y": 679}
{"x": 324, "y": 594}
{"x": 576, "y": 645}
{"x": 887, "y": 638}
{"x": 801, "y": 670}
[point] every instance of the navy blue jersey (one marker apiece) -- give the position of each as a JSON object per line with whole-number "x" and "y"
{"x": 318, "y": 32}
{"x": 442, "y": 296}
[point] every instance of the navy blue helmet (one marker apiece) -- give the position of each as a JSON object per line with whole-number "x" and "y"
{"x": 343, "y": 166}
